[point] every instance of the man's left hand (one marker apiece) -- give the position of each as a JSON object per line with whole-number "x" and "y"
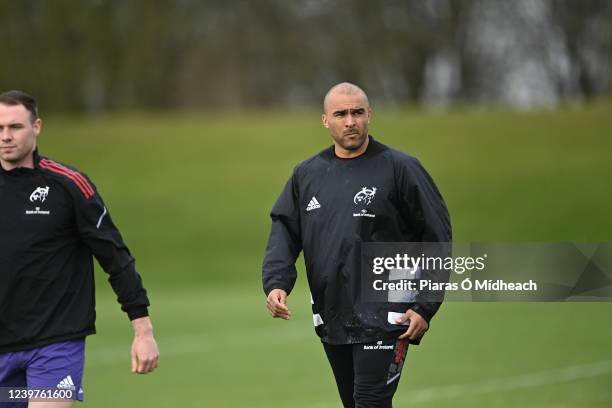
{"x": 418, "y": 325}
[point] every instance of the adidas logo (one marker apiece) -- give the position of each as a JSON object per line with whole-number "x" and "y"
{"x": 313, "y": 204}
{"x": 66, "y": 384}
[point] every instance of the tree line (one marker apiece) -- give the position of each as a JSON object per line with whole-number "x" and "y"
{"x": 99, "y": 55}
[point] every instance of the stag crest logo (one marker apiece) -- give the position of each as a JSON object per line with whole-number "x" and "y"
{"x": 40, "y": 194}
{"x": 364, "y": 196}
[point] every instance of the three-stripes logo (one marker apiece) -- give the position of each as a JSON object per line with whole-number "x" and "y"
{"x": 66, "y": 384}
{"x": 313, "y": 204}
{"x": 77, "y": 178}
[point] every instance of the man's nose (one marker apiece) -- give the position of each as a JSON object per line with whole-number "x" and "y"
{"x": 5, "y": 134}
{"x": 350, "y": 121}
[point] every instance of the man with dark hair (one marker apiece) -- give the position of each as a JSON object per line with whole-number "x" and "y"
{"x": 52, "y": 220}
{"x": 355, "y": 192}
{"x": 14, "y": 98}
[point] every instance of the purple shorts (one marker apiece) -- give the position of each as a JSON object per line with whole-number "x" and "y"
{"x": 57, "y": 366}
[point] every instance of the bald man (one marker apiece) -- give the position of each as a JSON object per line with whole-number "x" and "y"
{"x": 356, "y": 191}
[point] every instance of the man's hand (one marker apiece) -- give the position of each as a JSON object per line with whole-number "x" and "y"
{"x": 418, "y": 325}
{"x": 145, "y": 355}
{"x": 277, "y": 304}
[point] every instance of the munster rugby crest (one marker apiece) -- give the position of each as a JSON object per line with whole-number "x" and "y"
{"x": 364, "y": 196}
{"x": 40, "y": 194}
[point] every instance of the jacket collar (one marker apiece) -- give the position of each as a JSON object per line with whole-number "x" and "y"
{"x": 373, "y": 147}
{"x": 37, "y": 158}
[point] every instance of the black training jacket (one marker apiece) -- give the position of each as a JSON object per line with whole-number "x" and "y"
{"x": 325, "y": 212}
{"x": 51, "y": 222}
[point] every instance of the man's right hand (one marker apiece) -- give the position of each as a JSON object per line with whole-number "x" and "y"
{"x": 277, "y": 304}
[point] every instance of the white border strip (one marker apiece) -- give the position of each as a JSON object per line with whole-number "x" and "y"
{"x": 512, "y": 383}
{"x": 100, "y": 219}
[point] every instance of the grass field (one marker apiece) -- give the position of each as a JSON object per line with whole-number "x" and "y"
{"x": 191, "y": 194}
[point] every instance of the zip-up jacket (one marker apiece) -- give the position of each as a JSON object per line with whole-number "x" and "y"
{"x": 327, "y": 209}
{"x": 52, "y": 220}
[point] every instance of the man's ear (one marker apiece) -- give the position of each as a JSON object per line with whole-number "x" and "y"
{"x": 37, "y": 126}
{"x": 324, "y": 120}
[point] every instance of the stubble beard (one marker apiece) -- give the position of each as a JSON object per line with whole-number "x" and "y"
{"x": 16, "y": 157}
{"x": 354, "y": 144}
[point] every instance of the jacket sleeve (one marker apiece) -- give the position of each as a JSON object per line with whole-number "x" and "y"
{"x": 284, "y": 243}
{"x": 102, "y": 237}
{"x": 426, "y": 211}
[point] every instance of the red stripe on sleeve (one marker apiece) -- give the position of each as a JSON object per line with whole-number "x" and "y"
{"x": 85, "y": 183}
{"x": 77, "y": 178}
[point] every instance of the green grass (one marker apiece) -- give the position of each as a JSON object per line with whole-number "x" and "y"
{"x": 191, "y": 194}
{"x": 219, "y": 349}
